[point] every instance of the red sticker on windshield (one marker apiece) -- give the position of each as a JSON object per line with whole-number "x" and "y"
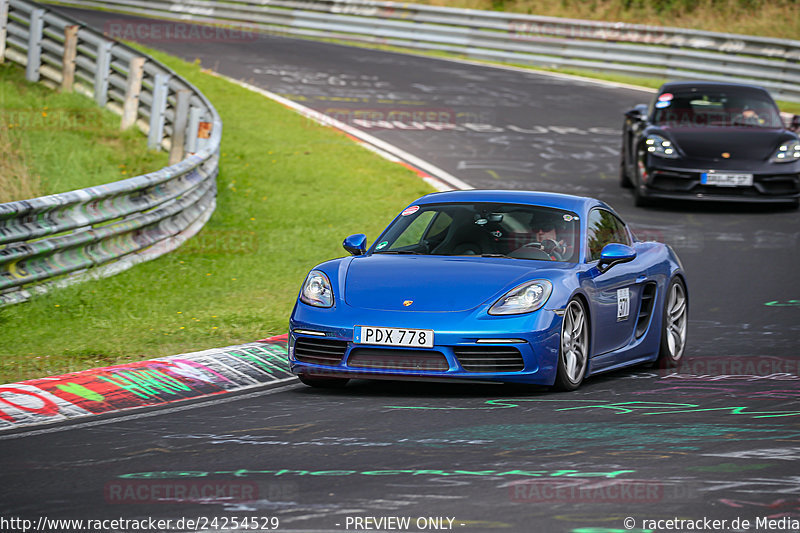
{"x": 410, "y": 210}
{"x": 666, "y": 97}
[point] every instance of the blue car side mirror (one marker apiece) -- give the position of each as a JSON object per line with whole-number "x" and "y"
{"x": 614, "y": 254}
{"x": 356, "y": 244}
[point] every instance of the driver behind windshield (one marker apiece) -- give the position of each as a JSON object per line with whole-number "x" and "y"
{"x": 544, "y": 230}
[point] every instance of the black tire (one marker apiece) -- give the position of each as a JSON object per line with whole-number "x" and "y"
{"x": 674, "y": 325}
{"x": 323, "y": 383}
{"x": 624, "y": 179}
{"x": 639, "y": 200}
{"x": 573, "y": 350}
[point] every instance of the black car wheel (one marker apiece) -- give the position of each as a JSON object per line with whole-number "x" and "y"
{"x": 640, "y": 170}
{"x": 323, "y": 383}
{"x": 573, "y": 355}
{"x": 624, "y": 178}
{"x": 673, "y": 325}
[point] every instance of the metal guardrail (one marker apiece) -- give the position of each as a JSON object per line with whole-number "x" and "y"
{"x": 639, "y": 50}
{"x": 102, "y": 230}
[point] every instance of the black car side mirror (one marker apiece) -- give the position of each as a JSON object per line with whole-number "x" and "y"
{"x": 638, "y": 113}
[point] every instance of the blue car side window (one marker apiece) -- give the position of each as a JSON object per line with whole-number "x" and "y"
{"x": 603, "y": 227}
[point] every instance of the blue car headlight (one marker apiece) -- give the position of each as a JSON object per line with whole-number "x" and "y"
{"x": 524, "y": 298}
{"x": 658, "y": 145}
{"x": 786, "y": 153}
{"x": 317, "y": 290}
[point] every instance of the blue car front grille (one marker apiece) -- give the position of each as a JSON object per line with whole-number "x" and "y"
{"x": 489, "y": 358}
{"x": 320, "y": 351}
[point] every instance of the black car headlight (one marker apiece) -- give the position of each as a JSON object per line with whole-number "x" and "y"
{"x": 317, "y": 290}
{"x": 786, "y": 152}
{"x": 524, "y": 298}
{"x": 658, "y": 145}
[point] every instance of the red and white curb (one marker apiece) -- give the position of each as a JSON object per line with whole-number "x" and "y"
{"x": 144, "y": 384}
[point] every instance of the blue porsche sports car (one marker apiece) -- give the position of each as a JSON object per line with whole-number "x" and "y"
{"x": 491, "y": 286}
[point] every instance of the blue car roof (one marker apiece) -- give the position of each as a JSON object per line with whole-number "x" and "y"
{"x": 576, "y": 204}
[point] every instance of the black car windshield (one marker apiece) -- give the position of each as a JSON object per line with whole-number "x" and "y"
{"x": 484, "y": 229}
{"x": 738, "y": 107}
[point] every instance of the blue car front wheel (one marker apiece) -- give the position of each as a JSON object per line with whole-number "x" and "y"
{"x": 674, "y": 322}
{"x": 573, "y": 356}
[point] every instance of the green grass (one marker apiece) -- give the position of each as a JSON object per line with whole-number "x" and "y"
{"x": 289, "y": 192}
{"x": 88, "y": 149}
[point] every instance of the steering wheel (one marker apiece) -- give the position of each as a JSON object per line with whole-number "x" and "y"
{"x": 548, "y": 246}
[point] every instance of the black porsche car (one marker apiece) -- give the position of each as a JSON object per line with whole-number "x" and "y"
{"x": 710, "y": 141}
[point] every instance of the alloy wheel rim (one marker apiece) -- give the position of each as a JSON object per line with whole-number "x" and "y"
{"x": 574, "y": 342}
{"x": 676, "y": 321}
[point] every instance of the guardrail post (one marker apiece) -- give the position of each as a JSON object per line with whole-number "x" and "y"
{"x": 179, "y": 126}
{"x": 3, "y": 31}
{"x": 194, "y": 122}
{"x": 157, "y": 110}
{"x": 101, "y": 75}
{"x": 68, "y": 60}
{"x": 35, "y": 45}
{"x": 133, "y": 88}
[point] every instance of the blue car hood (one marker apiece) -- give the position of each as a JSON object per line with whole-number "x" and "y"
{"x": 433, "y": 283}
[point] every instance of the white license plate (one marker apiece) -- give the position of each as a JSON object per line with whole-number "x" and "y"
{"x": 412, "y": 338}
{"x": 727, "y": 180}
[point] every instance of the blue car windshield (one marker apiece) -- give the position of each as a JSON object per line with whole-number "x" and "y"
{"x": 703, "y": 108}
{"x": 484, "y": 229}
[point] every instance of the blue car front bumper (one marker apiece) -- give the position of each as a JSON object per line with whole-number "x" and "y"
{"x": 467, "y": 346}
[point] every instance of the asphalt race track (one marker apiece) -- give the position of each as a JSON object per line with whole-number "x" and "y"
{"x": 718, "y": 439}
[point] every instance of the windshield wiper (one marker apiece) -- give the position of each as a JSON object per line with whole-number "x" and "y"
{"x": 494, "y": 255}
{"x": 406, "y": 252}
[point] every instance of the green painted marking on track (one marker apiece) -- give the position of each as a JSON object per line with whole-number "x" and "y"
{"x": 788, "y": 303}
{"x": 484, "y": 473}
{"x": 652, "y": 408}
{"x": 79, "y": 390}
{"x": 146, "y": 383}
